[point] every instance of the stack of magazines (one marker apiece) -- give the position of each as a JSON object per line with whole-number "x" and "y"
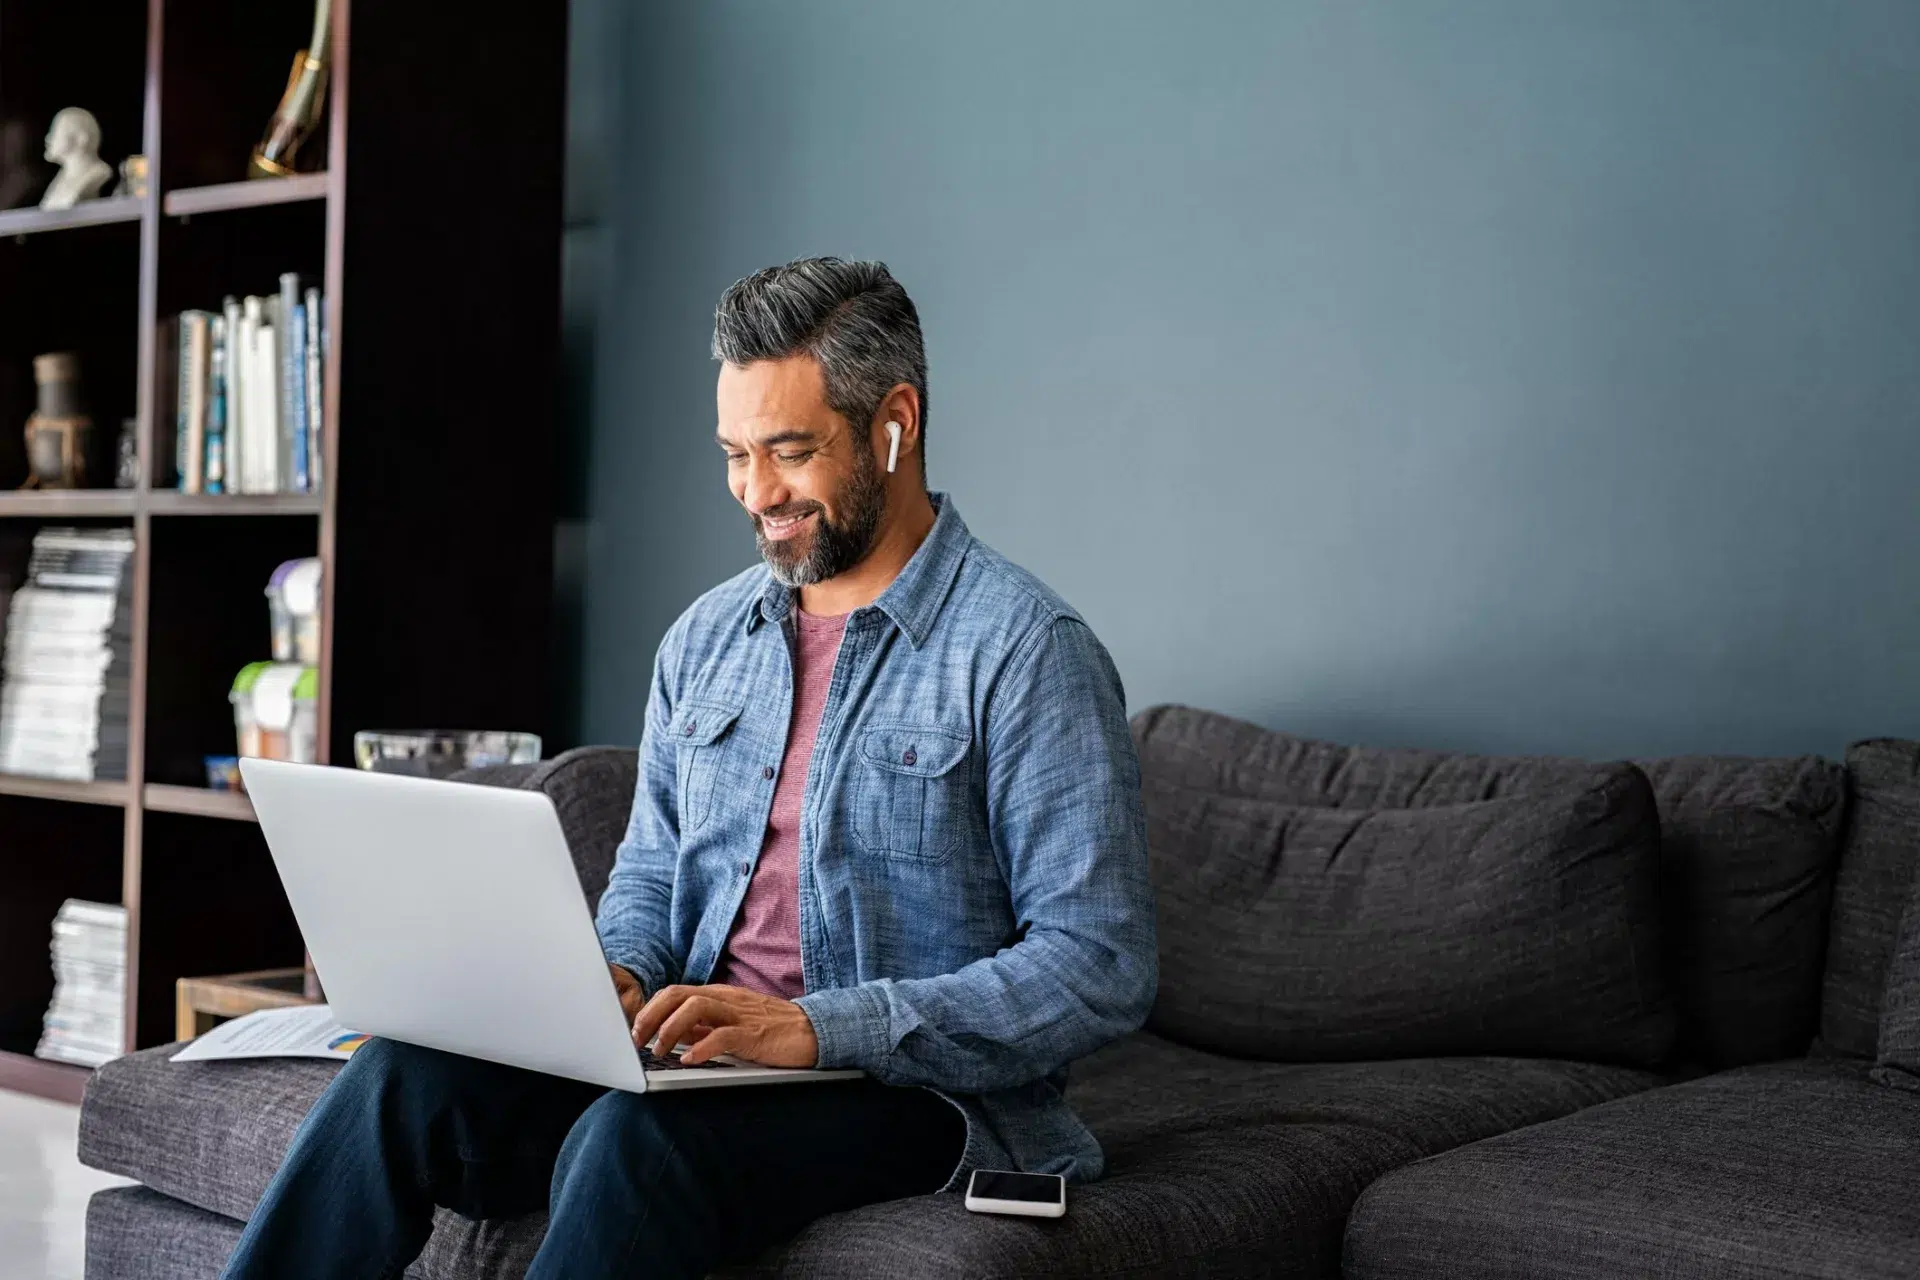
{"x": 65, "y": 673}
{"x": 87, "y": 1021}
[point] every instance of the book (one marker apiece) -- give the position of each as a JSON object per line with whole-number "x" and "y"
{"x": 233, "y": 435}
{"x": 265, "y": 440}
{"x": 215, "y": 473}
{"x": 290, "y": 370}
{"x": 316, "y": 430}
{"x": 196, "y": 335}
{"x": 296, "y": 397}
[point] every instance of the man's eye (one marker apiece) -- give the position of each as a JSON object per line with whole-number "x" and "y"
{"x": 794, "y": 457}
{"x": 732, "y": 458}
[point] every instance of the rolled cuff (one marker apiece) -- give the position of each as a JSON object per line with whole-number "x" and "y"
{"x": 852, "y": 1026}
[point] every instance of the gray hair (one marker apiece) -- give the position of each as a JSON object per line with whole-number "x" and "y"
{"x": 851, "y": 317}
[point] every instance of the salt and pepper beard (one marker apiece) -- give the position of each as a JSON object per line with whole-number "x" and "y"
{"x": 833, "y": 548}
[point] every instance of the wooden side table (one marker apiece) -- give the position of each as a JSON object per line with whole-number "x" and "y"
{"x": 202, "y": 1003}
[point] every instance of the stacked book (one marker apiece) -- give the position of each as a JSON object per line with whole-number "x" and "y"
{"x": 64, "y": 669}
{"x": 87, "y": 1021}
{"x": 247, "y": 405}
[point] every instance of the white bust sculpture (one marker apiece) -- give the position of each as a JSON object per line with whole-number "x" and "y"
{"x": 73, "y": 143}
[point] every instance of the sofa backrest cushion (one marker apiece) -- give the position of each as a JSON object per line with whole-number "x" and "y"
{"x": 1747, "y": 854}
{"x": 1748, "y": 848}
{"x": 1522, "y": 925}
{"x": 592, "y": 791}
{"x": 1899, "y": 1057}
{"x": 1877, "y": 860}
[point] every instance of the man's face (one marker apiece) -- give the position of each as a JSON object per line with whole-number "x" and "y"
{"x": 808, "y": 479}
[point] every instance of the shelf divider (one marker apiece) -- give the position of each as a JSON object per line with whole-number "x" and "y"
{"x": 244, "y": 195}
{"x": 60, "y": 1081}
{"x": 200, "y": 801}
{"x": 88, "y": 213}
{"x": 114, "y": 794}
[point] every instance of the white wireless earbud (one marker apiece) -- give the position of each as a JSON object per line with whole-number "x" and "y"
{"x": 893, "y": 450}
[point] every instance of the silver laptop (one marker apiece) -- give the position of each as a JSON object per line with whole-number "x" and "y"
{"x": 449, "y": 915}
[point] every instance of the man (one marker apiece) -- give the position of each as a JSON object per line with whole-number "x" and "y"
{"x": 888, "y": 817}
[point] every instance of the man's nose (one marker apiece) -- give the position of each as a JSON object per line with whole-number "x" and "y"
{"x": 764, "y": 488}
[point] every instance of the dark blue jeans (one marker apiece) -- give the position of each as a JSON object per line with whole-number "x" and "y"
{"x": 662, "y": 1184}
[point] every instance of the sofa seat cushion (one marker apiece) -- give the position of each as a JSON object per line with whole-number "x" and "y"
{"x": 1215, "y": 1166}
{"x": 134, "y": 1233}
{"x": 208, "y": 1133}
{"x": 1802, "y": 1168}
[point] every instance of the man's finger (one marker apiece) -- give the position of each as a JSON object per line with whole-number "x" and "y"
{"x": 720, "y": 1040}
{"x": 693, "y": 1011}
{"x": 646, "y": 1024}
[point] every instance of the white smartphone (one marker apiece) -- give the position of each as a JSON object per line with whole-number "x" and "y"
{"x": 1028, "y": 1195}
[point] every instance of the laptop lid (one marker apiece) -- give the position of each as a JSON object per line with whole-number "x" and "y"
{"x": 447, "y": 915}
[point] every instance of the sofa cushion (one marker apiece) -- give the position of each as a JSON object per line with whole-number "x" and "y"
{"x": 1215, "y": 1166}
{"x": 1747, "y": 854}
{"x": 1899, "y": 1058}
{"x": 1801, "y": 1168}
{"x": 208, "y": 1133}
{"x": 592, "y": 791}
{"x": 134, "y": 1233}
{"x": 1525, "y": 925}
{"x": 1877, "y": 862}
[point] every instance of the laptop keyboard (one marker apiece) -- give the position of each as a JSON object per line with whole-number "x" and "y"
{"x": 650, "y": 1061}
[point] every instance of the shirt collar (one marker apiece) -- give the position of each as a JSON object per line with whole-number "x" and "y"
{"x": 913, "y": 599}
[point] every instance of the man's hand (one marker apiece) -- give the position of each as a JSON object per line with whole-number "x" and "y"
{"x": 751, "y": 1026}
{"x": 632, "y": 995}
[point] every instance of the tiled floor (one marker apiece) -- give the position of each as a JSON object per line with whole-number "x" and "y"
{"x": 43, "y": 1189}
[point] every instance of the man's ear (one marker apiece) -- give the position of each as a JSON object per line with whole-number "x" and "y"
{"x": 901, "y": 405}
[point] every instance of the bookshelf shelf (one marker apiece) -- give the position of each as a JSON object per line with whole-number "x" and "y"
{"x": 63, "y": 504}
{"x": 61, "y": 1081}
{"x": 244, "y": 195}
{"x": 169, "y": 502}
{"x": 200, "y": 801}
{"x": 88, "y": 213}
{"x": 107, "y": 793}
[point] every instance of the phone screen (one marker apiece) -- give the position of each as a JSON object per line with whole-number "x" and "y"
{"x": 1033, "y": 1188}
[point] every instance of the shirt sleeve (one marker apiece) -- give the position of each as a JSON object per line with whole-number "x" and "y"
{"x": 1063, "y": 799}
{"x": 635, "y": 916}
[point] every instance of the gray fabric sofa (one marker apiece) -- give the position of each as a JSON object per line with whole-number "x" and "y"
{"x": 1461, "y": 923}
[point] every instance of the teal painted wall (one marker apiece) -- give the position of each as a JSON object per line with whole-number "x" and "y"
{"x": 1522, "y": 375}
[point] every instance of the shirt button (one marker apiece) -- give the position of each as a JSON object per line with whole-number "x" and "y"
{"x": 689, "y": 730}
{"x": 767, "y": 772}
{"x": 909, "y": 758}
{"x": 746, "y": 868}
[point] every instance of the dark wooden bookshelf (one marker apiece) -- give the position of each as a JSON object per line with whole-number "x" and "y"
{"x": 90, "y": 213}
{"x": 435, "y": 522}
{"x": 14, "y": 784}
{"x": 232, "y": 805}
{"x": 222, "y": 196}
{"x": 24, "y": 1073}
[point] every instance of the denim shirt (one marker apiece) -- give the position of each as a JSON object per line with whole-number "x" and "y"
{"x": 974, "y": 904}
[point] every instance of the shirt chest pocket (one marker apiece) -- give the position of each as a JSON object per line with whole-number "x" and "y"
{"x": 700, "y": 733}
{"x": 912, "y": 798}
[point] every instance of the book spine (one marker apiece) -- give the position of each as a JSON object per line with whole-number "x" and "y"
{"x": 216, "y": 472}
{"x": 256, "y": 444}
{"x": 236, "y": 400}
{"x": 291, "y": 445}
{"x": 316, "y": 426}
{"x": 295, "y": 396}
{"x": 195, "y": 376}
{"x": 182, "y": 380}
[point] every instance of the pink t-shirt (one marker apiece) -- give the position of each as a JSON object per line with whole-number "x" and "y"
{"x": 763, "y": 951}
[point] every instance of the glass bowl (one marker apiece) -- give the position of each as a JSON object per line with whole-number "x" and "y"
{"x": 439, "y": 753}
